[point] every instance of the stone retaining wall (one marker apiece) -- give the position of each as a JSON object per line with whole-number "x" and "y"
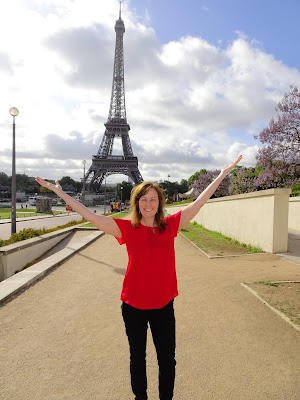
{"x": 16, "y": 256}
{"x": 258, "y": 218}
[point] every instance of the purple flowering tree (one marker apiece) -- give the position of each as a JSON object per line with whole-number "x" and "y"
{"x": 280, "y": 157}
{"x": 242, "y": 180}
{"x": 205, "y": 179}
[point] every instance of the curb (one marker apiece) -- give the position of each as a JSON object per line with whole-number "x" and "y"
{"x": 289, "y": 257}
{"x": 25, "y": 278}
{"x": 283, "y": 316}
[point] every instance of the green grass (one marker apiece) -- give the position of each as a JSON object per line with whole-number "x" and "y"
{"x": 268, "y": 283}
{"x": 289, "y": 311}
{"x": 214, "y": 243}
{"x": 115, "y": 216}
{"x": 180, "y": 202}
{"x": 23, "y": 213}
{"x": 120, "y": 214}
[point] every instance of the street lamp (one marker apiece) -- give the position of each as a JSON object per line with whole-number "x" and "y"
{"x": 121, "y": 194}
{"x": 83, "y": 188}
{"x": 168, "y": 186}
{"x": 105, "y": 197}
{"x": 14, "y": 113}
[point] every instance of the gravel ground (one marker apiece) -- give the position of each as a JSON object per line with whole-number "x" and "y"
{"x": 284, "y": 296}
{"x": 64, "y": 337}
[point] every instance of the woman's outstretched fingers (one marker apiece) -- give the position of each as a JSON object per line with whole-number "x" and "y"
{"x": 229, "y": 167}
{"x": 239, "y": 159}
{"x": 46, "y": 184}
{"x": 40, "y": 181}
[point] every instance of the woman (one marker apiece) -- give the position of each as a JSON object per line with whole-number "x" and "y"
{"x": 150, "y": 284}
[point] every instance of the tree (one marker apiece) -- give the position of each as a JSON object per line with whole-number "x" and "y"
{"x": 67, "y": 180}
{"x": 296, "y": 190}
{"x": 126, "y": 191}
{"x": 23, "y": 181}
{"x": 172, "y": 188}
{"x": 195, "y": 176}
{"x": 67, "y": 183}
{"x": 280, "y": 157}
{"x": 183, "y": 186}
{"x": 243, "y": 180}
{"x": 204, "y": 180}
{"x": 4, "y": 179}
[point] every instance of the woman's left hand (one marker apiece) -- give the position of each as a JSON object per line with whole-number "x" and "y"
{"x": 229, "y": 167}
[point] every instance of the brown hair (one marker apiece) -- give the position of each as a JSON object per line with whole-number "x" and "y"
{"x": 139, "y": 191}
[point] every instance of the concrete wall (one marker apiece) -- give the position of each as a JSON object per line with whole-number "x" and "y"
{"x": 15, "y": 257}
{"x": 294, "y": 213}
{"x": 258, "y": 218}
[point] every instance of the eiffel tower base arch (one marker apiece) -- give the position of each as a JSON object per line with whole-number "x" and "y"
{"x": 101, "y": 168}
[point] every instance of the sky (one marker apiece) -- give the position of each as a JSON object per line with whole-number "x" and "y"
{"x": 202, "y": 77}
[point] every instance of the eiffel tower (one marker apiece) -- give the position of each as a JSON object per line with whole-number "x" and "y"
{"x": 104, "y": 163}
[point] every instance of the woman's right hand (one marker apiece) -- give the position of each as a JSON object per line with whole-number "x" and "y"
{"x": 56, "y": 188}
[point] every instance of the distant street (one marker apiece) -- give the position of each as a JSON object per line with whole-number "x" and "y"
{"x": 43, "y": 221}
{"x": 37, "y": 223}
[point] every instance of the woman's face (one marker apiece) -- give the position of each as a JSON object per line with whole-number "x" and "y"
{"x": 148, "y": 204}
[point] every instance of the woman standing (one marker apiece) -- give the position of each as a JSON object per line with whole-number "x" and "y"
{"x": 150, "y": 283}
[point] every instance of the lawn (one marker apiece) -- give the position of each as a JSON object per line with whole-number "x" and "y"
{"x": 5, "y": 213}
{"x": 214, "y": 243}
{"x": 115, "y": 216}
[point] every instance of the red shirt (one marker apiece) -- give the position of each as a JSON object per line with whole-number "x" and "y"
{"x": 150, "y": 280}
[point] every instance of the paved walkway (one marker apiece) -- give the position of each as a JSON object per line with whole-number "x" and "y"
{"x": 293, "y": 247}
{"x": 64, "y": 338}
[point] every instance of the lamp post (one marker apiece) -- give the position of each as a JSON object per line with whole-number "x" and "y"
{"x": 168, "y": 186}
{"x": 13, "y": 112}
{"x": 121, "y": 194}
{"x": 83, "y": 187}
{"x": 105, "y": 197}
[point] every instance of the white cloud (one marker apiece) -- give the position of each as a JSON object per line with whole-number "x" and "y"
{"x": 248, "y": 152}
{"x": 190, "y": 104}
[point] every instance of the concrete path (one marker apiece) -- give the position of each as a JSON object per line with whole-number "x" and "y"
{"x": 64, "y": 338}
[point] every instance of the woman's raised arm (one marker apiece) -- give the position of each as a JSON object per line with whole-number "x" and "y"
{"x": 189, "y": 212}
{"x": 106, "y": 224}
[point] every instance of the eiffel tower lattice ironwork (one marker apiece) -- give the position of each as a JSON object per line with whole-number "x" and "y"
{"x": 104, "y": 163}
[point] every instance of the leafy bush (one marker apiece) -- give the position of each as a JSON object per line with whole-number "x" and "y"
{"x": 296, "y": 190}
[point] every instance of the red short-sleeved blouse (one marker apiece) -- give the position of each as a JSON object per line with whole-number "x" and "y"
{"x": 150, "y": 281}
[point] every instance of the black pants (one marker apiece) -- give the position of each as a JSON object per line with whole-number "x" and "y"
{"x": 162, "y": 324}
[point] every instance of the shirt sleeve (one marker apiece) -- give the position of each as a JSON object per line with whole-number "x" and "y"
{"x": 124, "y": 226}
{"x": 173, "y": 221}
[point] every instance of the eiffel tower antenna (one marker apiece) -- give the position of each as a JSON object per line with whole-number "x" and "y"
{"x": 120, "y": 8}
{"x": 105, "y": 163}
